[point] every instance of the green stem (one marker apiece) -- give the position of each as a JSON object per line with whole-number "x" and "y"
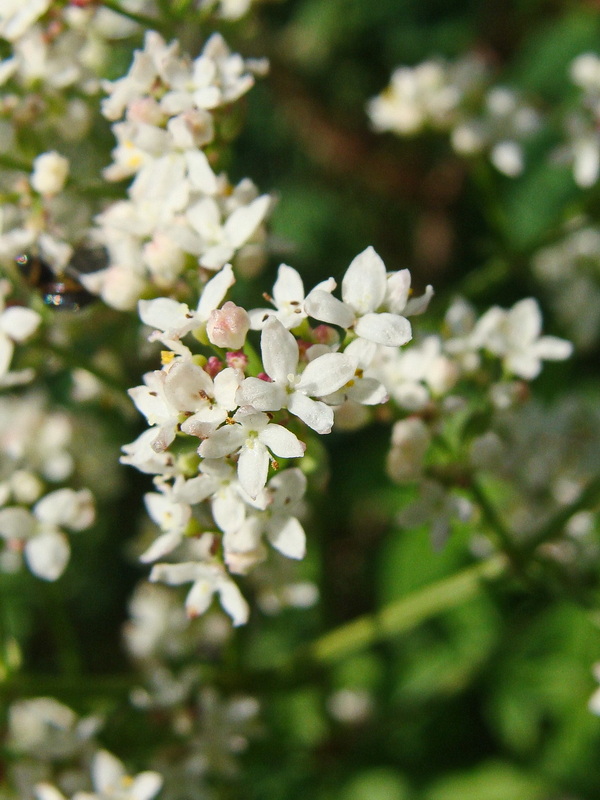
{"x": 404, "y": 614}
{"x": 503, "y": 535}
{"x": 147, "y": 22}
{"x": 9, "y": 162}
{"x": 68, "y": 358}
{"x": 588, "y": 497}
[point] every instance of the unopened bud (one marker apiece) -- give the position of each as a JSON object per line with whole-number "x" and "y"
{"x": 227, "y": 327}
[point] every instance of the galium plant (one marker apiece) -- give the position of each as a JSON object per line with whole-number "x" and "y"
{"x": 132, "y": 333}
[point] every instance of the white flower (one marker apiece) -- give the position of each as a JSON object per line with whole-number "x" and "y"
{"x": 288, "y": 389}
{"x": 173, "y": 320}
{"x": 16, "y": 325}
{"x": 288, "y": 299}
{"x": 364, "y": 289}
{"x": 360, "y": 388}
{"x": 39, "y": 534}
{"x": 17, "y": 16}
{"x": 514, "y": 336}
{"x": 252, "y": 435}
{"x": 50, "y": 171}
{"x": 278, "y": 520}
{"x": 111, "y": 781}
{"x": 207, "y": 579}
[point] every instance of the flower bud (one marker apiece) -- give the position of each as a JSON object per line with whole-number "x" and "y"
{"x": 228, "y": 326}
{"x": 49, "y": 174}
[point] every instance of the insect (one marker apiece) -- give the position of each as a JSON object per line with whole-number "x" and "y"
{"x": 63, "y": 291}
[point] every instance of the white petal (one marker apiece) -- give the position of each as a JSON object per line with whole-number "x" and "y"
{"x": 214, "y": 292}
{"x": 418, "y": 305}
{"x": 19, "y": 322}
{"x": 145, "y": 785}
{"x": 228, "y": 511}
{"x": 552, "y": 348}
{"x": 287, "y": 535}
{"x": 288, "y": 288}
{"x": 245, "y": 220}
{"x": 175, "y": 574}
{"x": 47, "y": 554}
{"x": 390, "y": 330}
{"x": 261, "y": 395}
{"x": 187, "y": 386}
{"x": 6, "y": 353}
{"x": 107, "y": 772}
{"x": 200, "y": 173}
{"x": 324, "y": 307}
{"x": 17, "y": 523}
{"x": 223, "y": 442}
{"x": 526, "y": 319}
{"x": 233, "y": 602}
{"x": 282, "y": 442}
{"x": 279, "y": 351}
{"x": 253, "y": 467}
{"x": 161, "y": 546}
{"x": 397, "y": 290}
{"x": 163, "y": 313}
{"x": 364, "y": 284}
{"x": 199, "y": 597}
{"x": 326, "y": 374}
{"x": 315, "y": 414}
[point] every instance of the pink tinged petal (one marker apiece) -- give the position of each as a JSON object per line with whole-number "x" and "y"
{"x": 233, "y": 602}
{"x": 253, "y": 467}
{"x": 288, "y": 288}
{"x": 245, "y": 220}
{"x": 552, "y": 348}
{"x": 215, "y": 291}
{"x": 390, "y": 330}
{"x": 19, "y": 323}
{"x": 161, "y": 546}
{"x": 282, "y": 442}
{"x": 324, "y": 307}
{"x": 364, "y": 284}
{"x": 326, "y": 374}
{"x": 261, "y": 395}
{"x": 199, "y": 597}
{"x": 279, "y": 351}
{"x": 47, "y": 554}
{"x": 315, "y": 414}
{"x": 145, "y": 785}
{"x": 223, "y": 442}
{"x": 287, "y": 535}
{"x": 526, "y": 319}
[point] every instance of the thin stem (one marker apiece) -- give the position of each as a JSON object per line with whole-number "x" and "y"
{"x": 67, "y": 356}
{"x": 404, "y": 614}
{"x": 147, "y": 22}
{"x": 503, "y": 534}
{"x": 588, "y": 497}
{"x": 9, "y": 162}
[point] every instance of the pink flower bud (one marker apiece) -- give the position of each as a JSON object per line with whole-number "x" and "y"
{"x": 213, "y": 366}
{"x": 237, "y": 359}
{"x": 228, "y": 326}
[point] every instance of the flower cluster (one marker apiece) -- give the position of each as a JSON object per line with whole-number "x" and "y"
{"x": 179, "y": 214}
{"x": 455, "y": 97}
{"x": 36, "y": 452}
{"x": 219, "y": 424}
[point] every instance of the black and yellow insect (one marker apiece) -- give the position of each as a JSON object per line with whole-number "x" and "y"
{"x": 62, "y": 291}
